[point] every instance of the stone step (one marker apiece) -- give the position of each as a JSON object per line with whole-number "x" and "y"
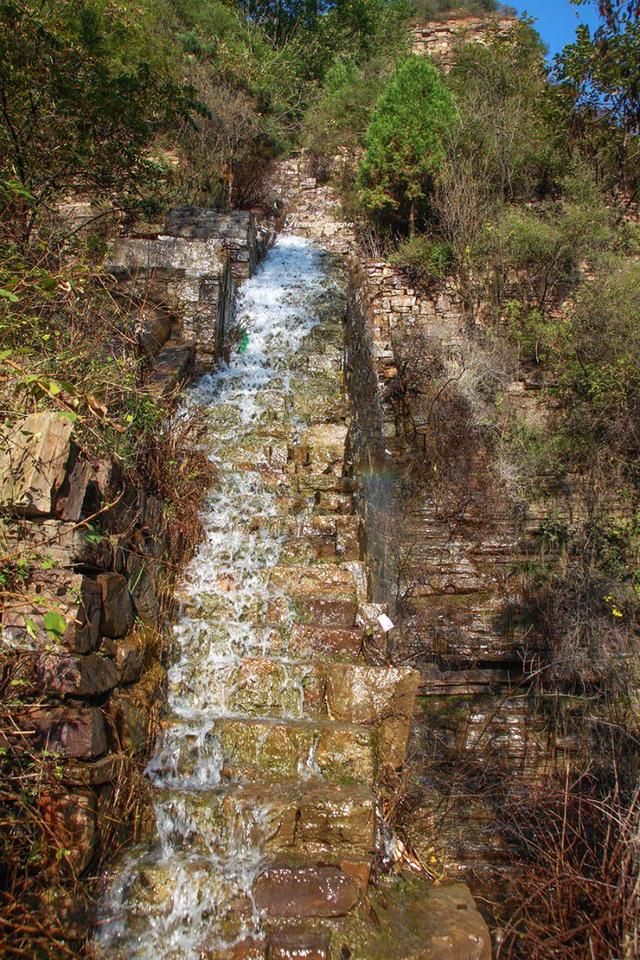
{"x": 174, "y": 893}
{"x": 320, "y": 580}
{"x": 265, "y": 751}
{"x": 302, "y": 642}
{"x": 289, "y": 689}
{"x": 290, "y": 888}
{"x": 321, "y": 820}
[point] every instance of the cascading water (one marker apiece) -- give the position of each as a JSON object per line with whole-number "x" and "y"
{"x": 190, "y": 889}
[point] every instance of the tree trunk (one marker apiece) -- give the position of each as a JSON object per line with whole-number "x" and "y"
{"x": 412, "y": 217}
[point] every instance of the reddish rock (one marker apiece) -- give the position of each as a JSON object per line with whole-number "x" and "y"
{"x": 130, "y": 654}
{"x": 299, "y": 945}
{"x": 71, "y": 822}
{"x": 328, "y": 612}
{"x": 130, "y": 710}
{"x": 314, "y": 891}
{"x": 117, "y": 608}
{"x": 75, "y": 732}
{"x": 77, "y": 676}
{"x": 87, "y": 485}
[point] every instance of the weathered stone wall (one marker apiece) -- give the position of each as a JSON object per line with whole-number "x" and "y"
{"x": 191, "y": 269}
{"x": 84, "y": 635}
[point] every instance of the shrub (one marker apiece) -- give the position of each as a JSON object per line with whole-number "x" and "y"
{"x": 423, "y": 259}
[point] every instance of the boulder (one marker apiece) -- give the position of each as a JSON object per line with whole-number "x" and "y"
{"x": 310, "y": 891}
{"x": 33, "y": 462}
{"x": 117, "y": 607}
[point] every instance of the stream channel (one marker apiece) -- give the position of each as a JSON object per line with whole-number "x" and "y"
{"x": 234, "y": 680}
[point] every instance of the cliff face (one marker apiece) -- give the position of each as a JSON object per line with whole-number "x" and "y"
{"x": 440, "y": 40}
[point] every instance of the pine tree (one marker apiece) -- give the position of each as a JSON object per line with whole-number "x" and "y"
{"x": 405, "y": 139}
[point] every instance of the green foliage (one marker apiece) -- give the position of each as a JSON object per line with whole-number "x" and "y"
{"x": 102, "y": 93}
{"x": 535, "y": 255}
{"x": 424, "y": 259}
{"x": 443, "y": 9}
{"x": 602, "y": 68}
{"x": 405, "y": 139}
{"x": 508, "y": 123}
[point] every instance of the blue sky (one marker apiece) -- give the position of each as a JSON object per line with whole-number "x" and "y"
{"x": 556, "y": 20}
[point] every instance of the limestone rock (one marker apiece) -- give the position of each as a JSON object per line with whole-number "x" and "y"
{"x": 377, "y": 695}
{"x": 64, "y": 544}
{"x": 117, "y": 608}
{"x": 153, "y": 327}
{"x": 88, "y": 485}
{"x": 131, "y": 710}
{"x": 130, "y": 656}
{"x": 94, "y": 773}
{"x": 311, "y": 891}
{"x": 33, "y": 462}
{"x": 342, "y": 815}
{"x": 76, "y": 676}
{"x": 172, "y": 367}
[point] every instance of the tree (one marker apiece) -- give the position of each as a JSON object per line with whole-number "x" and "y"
{"x": 80, "y": 102}
{"x": 603, "y": 68}
{"x": 405, "y": 142}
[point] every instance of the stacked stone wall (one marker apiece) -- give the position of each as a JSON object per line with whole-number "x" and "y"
{"x": 85, "y": 632}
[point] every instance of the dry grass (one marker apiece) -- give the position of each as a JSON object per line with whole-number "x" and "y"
{"x": 577, "y": 892}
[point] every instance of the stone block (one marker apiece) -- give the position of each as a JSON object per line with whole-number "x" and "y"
{"x": 87, "y": 675}
{"x": 74, "y": 597}
{"x": 65, "y": 544}
{"x": 376, "y": 695}
{"x": 312, "y": 891}
{"x": 87, "y": 486}
{"x": 299, "y": 945}
{"x": 130, "y": 654}
{"x": 33, "y": 463}
{"x": 172, "y": 367}
{"x": 152, "y": 327}
{"x": 117, "y": 607}
{"x": 340, "y": 815}
{"x": 71, "y": 821}
{"x": 74, "y": 732}
{"x": 132, "y": 710}
{"x": 93, "y": 773}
